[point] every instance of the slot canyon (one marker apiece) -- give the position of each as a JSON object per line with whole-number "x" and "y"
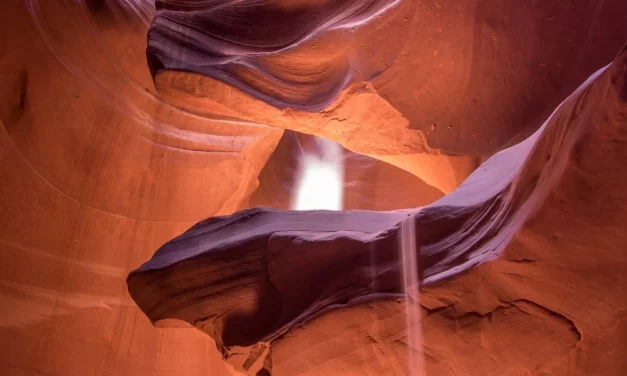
{"x": 313, "y": 187}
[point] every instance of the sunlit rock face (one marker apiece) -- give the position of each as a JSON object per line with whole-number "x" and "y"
{"x": 472, "y": 76}
{"x": 107, "y": 153}
{"x": 303, "y": 273}
{"x": 367, "y": 182}
{"x": 319, "y": 180}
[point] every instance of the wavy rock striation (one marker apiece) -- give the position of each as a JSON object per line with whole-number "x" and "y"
{"x": 471, "y": 77}
{"x": 256, "y": 278}
{"x": 233, "y": 41}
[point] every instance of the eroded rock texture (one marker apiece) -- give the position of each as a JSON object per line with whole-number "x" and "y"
{"x": 370, "y": 184}
{"x": 95, "y": 173}
{"x": 101, "y": 163}
{"x": 260, "y": 278}
{"x": 472, "y": 76}
{"x": 238, "y": 43}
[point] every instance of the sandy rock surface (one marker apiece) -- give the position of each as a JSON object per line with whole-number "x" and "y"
{"x": 103, "y": 161}
{"x": 259, "y": 279}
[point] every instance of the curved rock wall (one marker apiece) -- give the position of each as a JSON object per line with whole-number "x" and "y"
{"x": 100, "y": 165}
{"x": 261, "y": 278}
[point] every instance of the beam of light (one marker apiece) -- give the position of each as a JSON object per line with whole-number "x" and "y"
{"x": 412, "y": 294}
{"x": 320, "y": 178}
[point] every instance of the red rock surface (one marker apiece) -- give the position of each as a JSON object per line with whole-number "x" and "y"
{"x": 101, "y": 164}
{"x": 260, "y": 279}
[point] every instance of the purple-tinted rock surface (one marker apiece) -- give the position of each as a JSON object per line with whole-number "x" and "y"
{"x": 228, "y": 40}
